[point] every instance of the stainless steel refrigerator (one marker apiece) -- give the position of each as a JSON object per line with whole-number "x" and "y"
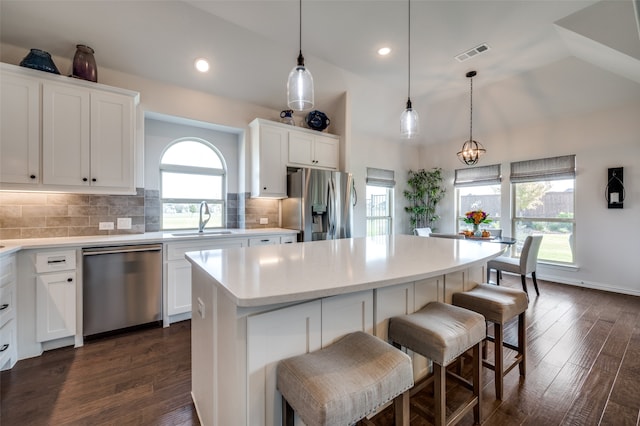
{"x": 319, "y": 204}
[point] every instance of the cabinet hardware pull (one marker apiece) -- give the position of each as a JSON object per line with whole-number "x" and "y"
{"x": 69, "y": 280}
{"x": 4, "y": 306}
{"x": 264, "y": 241}
{"x": 50, "y": 262}
{"x": 94, "y": 180}
{"x": 32, "y": 176}
{"x": 4, "y": 347}
{"x": 84, "y": 179}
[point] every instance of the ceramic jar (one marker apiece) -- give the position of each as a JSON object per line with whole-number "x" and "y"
{"x": 84, "y": 64}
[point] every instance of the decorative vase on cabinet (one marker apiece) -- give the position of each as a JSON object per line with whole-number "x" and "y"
{"x": 84, "y": 63}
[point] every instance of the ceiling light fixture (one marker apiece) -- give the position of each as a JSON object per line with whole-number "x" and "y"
{"x": 300, "y": 83}
{"x": 471, "y": 150}
{"x": 409, "y": 121}
{"x": 201, "y": 65}
{"x": 384, "y": 51}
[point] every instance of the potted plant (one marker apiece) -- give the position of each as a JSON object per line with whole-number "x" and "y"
{"x": 425, "y": 192}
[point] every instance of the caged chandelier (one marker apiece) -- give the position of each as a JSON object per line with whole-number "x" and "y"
{"x": 409, "y": 120}
{"x": 300, "y": 83}
{"x": 471, "y": 150}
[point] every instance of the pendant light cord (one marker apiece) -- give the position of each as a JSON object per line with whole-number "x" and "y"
{"x": 300, "y": 27}
{"x": 471, "y": 112}
{"x": 409, "y": 55}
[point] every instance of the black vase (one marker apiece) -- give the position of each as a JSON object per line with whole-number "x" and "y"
{"x": 84, "y": 64}
{"x": 39, "y": 60}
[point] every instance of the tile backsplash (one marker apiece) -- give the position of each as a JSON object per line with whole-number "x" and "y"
{"x": 42, "y": 215}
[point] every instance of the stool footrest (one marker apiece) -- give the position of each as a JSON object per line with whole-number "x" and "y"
{"x": 491, "y": 366}
{"x": 457, "y": 415}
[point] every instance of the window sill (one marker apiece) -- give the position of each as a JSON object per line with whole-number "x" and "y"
{"x": 560, "y": 266}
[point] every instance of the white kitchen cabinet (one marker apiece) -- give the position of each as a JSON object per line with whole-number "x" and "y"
{"x": 87, "y": 138}
{"x": 269, "y": 145}
{"x": 85, "y": 132}
{"x": 346, "y": 313}
{"x": 55, "y": 295}
{"x": 56, "y": 306}
{"x": 178, "y": 273}
{"x": 264, "y": 241}
{"x": 8, "y": 322}
{"x": 314, "y": 150}
{"x": 20, "y": 130}
{"x": 273, "y": 336}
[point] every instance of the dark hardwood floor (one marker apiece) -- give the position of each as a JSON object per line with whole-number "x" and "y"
{"x": 583, "y": 369}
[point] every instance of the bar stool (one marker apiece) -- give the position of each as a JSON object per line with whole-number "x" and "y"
{"x": 344, "y": 382}
{"x": 499, "y": 305}
{"x": 442, "y": 333}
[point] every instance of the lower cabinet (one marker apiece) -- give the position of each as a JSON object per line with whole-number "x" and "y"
{"x": 55, "y": 294}
{"x": 8, "y": 327}
{"x": 178, "y": 274}
{"x": 55, "y": 306}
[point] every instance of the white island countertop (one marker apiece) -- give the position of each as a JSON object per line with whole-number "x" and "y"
{"x": 259, "y": 276}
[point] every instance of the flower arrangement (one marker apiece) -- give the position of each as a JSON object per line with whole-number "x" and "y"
{"x": 476, "y": 217}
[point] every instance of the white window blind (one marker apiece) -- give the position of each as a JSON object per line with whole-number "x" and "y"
{"x": 475, "y": 176}
{"x": 553, "y": 168}
{"x": 380, "y": 177}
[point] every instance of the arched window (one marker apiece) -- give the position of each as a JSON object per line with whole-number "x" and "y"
{"x": 191, "y": 171}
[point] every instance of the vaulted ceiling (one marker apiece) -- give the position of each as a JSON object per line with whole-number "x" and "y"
{"x": 546, "y": 59}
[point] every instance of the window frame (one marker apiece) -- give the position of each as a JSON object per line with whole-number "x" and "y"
{"x": 195, "y": 170}
{"x": 482, "y": 176}
{"x": 380, "y": 178}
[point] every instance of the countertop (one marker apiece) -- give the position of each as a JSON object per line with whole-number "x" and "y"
{"x": 257, "y": 276}
{"x": 12, "y": 246}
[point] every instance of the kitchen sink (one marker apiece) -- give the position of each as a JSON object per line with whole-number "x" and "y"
{"x": 205, "y": 233}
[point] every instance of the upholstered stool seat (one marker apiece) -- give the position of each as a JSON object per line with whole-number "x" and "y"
{"x": 499, "y": 305}
{"x": 344, "y": 382}
{"x": 442, "y": 333}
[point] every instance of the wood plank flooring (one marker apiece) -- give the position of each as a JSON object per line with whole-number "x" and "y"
{"x": 583, "y": 369}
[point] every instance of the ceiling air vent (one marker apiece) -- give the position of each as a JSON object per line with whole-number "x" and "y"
{"x": 484, "y": 47}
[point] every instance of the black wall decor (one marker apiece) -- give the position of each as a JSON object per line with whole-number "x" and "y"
{"x": 615, "y": 188}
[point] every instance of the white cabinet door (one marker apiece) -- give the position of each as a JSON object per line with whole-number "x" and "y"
{"x": 301, "y": 148}
{"x": 20, "y": 129}
{"x": 326, "y": 152}
{"x": 55, "y": 306}
{"x": 264, "y": 241}
{"x": 112, "y": 137}
{"x": 271, "y": 337}
{"x": 345, "y": 314}
{"x": 65, "y": 135}
{"x": 179, "y": 287}
{"x": 269, "y": 154}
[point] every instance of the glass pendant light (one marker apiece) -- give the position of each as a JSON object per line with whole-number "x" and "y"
{"x": 300, "y": 83}
{"x": 471, "y": 150}
{"x": 409, "y": 120}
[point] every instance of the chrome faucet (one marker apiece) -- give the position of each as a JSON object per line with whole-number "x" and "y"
{"x": 204, "y": 209}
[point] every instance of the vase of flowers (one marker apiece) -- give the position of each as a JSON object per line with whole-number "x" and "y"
{"x": 475, "y": 218}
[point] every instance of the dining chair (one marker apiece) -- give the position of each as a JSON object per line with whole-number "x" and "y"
{"x": 523, "y": 266}
{"x": 451, "y": 236}
{"x": 495, "y": 232}
{"x": 422, "y": 232}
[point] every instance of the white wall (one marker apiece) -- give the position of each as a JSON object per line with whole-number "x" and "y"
{"x": 607, "y": 240}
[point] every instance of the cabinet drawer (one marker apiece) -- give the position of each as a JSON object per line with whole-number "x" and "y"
{"x": 7, "y": 270}
{"x": 55, "y": 261}
{"x": 264, "y": 241}
{"x": 7, "y": 340}
{"x": 7, "y": 304}
{"x": 176, "y": 251}
{"x": 288, "y": 239}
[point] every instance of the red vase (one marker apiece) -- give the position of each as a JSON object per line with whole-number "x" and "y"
{"x": 84, "y": 64}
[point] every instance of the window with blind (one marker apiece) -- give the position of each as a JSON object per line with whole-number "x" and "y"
{"x": 478, "y": 188}
{"x": 191, "y": 171}
{"x": 379, "y": 203}
{"x": 543, "y": 204}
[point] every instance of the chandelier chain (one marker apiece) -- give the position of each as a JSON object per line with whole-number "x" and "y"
{"x": 471, "y": 111}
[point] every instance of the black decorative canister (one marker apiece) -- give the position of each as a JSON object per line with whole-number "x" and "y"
{"x": 84, "y": 64}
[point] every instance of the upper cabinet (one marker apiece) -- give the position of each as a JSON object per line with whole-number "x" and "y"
{"x": 19, "y": 129}
{"x": 85, "y": 131}
{"x": 274, "y": 146}
{"x": 314, "y": 150}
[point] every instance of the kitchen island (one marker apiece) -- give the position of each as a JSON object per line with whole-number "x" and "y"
{"x": 255, "y": 306}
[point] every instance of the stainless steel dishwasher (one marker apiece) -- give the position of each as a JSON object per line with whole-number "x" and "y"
{"x": 121, "y": 287}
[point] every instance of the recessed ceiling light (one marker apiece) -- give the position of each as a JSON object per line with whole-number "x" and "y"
{"x": 383, "y": 51}
{"x": 202, "y": 65}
